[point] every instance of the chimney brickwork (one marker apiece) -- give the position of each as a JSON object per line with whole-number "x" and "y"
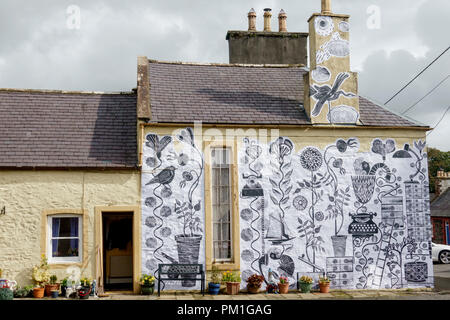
{"x": 143, "y": 89}
{"x": 332, "y": 96}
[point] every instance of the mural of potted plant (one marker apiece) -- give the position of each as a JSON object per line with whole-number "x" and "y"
{"x": 305, "y": 284}
{"x": 254, "y": 283}
{"x": 232, "y": 281}
{"x": 214, "y": 284}
{"x": 41, "y": 276}
{"x": 147, "y": 284}
{"x": 283, "y": 285}
{"x": 324, "y": 284}
{"x": 51, "y": 285}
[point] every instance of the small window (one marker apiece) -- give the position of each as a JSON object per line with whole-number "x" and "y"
{"x": 221, "y": 203}
{"x": 65, "y": 241}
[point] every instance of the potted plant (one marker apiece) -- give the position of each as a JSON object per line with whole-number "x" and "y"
{"x": 41, "y": 276}
{"x": 272, "y": 288}
{"x": 233, "y": 282}
{"x": 283, "y": 285}
{"x": 324, "y": 284}
{"x": 254, "y": 283}
{"x": 54, "y": 294}
{"x": 6, "y": 294}
{"x": 64, "y": 284}
{"x": 23, "y": 292}
{"x": 85, "y": 289}
{"x": 52, "y": 285}
{"x": 147, "y": 284}
{"x": 305, "y": 284}
{"x": 214, "y": 284}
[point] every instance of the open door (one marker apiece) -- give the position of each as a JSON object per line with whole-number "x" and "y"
{"x": 117, "y": 251}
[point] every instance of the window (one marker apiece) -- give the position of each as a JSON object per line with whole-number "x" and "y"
{"x": 221, "y": 203}
{"x": 64, "y": 240}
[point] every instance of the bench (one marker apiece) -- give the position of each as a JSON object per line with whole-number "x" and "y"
{"x": 181, "y": 272}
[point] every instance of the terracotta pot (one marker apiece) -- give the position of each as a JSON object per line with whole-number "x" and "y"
{"x": 253, "y": 289}
{"x": 324, "y": 287}
{"x": 233, "y": 288}
{"x": 50, "y": 287}
{"x": 283, "y": 288}
{"x": 38, "y": 292}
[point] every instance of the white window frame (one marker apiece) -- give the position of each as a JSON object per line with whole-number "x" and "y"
{"x": 230, "y": 155}
{"x": 56, "y": 260}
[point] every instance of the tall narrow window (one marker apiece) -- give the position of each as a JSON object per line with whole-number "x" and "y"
{"x": 221, "y": 203}
{"x": 64, "y": 238}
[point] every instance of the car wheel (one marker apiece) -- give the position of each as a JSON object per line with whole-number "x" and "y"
{"x": 444, "y": 257}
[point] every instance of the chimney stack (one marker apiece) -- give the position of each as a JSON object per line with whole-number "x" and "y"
{"x": 326, "y": 7}
{"x": 282, "y": 17}
{"x": 252, "y": 20}
{"x": 267, "y": 18}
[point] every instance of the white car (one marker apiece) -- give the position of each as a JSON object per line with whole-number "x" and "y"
{"x": 441, "y": 253}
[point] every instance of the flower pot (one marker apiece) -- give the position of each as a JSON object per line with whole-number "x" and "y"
{"x": 6, "y": 294}
{"x": 63, "y": 291}
{"x": 147, "y": 290}
{"x": 305, "y": 287}
{"x": 339, "y": 245}
{"x": 54, "y": 294}
{"x": 233, "y": 288}
{"x": 213, "y": 288}
{"x": 283, "y": 288}
{"x": 188, "y": 251}
{"x": 324, "y": 287}
{"x": 50, "y": 287}
{"x": 253, "y": 289}
{"x": 84, "y": 292}
{"x": 38, "y": 292}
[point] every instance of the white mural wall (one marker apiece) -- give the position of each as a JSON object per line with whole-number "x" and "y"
{"x": 172, "y": 205}
{"x": 361, "y": 217}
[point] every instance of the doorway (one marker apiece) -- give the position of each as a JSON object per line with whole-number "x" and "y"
{"x": 117, "y": 250}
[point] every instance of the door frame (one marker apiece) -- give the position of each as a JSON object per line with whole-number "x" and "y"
{"x": 136, "y": 243}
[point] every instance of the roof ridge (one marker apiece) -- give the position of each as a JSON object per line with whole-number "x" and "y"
{"x": 64, "y": 91}
{"x": 216, "y": 64}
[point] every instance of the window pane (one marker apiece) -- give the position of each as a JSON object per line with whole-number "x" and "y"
{"x": 225, "y": 196}
{"x": 224, "y": 177}
{"x": 64, "y": 227}
{"x": 216, "y": 231}
{"x": 65, "y": 247}
{"x": 224, "y": 213}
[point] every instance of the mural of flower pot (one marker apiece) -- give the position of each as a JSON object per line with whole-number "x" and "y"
{"x": 339, "y": 245}
{"x": 364, "y": 187}
{"x": 188, "y": 252}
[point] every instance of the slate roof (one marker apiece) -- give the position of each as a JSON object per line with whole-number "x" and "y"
{"x": 240, "y": 94}
{"x": 440, "y": 207}
{"x": 71, "y": 130}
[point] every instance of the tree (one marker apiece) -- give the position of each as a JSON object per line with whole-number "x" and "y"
{"x": 437, "y": 161}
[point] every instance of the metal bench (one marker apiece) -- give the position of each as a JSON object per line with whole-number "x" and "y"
{"x": 181, "y": 272}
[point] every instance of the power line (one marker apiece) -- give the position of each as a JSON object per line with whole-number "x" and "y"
{"x": 442, "y": 118}
{"x": 439, "y": 84}
{"x": 448, "y": 48}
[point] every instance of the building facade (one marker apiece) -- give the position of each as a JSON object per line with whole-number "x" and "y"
{"x": 246, "y": 167}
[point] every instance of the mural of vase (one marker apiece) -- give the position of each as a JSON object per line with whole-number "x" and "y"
{"x": 188, "y": 252}
{"x": 364, "y": 187}
{"x": 339, "y": 245}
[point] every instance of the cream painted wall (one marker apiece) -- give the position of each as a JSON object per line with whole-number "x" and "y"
{"x": 27, "y": 194}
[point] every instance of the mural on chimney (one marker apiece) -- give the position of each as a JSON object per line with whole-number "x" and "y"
{"x": 172, "y": 208}
{"x": 361, "y": 217}
{"x": 333, "y": 88}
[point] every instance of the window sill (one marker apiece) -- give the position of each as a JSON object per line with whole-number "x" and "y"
{"x": 59, "y": 265}
{"x": 224, "y": 266}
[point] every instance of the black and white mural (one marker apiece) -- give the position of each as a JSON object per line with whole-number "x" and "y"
{"x": 361, "y": 217}
{"x": 172, "y": 204}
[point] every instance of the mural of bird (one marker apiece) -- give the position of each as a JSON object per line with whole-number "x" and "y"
{"x": 164, "y": 177}
{"x": 325, "y": 93}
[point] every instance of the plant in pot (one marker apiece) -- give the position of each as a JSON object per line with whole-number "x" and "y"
{"x": 324, "y": 284}
{"x": 233, "y": 282}
{"x": 41, "y": 276}
{"x": 85, "y": 289}
{"x": 24, "y": 292}
{"x": 214, "y": 284}
{"x": 305, "y": 284}
{"x": 254, "y": 283}
{"x": 283, "y": 285}
{"x": 64, "y": 285}
{"x": 147, "y": 284}
{"x": 51, "y": 285}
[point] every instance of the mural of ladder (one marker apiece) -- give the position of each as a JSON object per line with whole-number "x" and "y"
{"x": 381, "y": 260}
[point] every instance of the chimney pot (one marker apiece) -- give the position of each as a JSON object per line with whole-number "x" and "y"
{"x": 252, "y": 20}
{"x": 267, "y": 17}
{"x": 326, "y": 7}
{"x": 282, "y": 17}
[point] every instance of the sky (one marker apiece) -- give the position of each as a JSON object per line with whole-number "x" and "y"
{"x": 93, "y": 45}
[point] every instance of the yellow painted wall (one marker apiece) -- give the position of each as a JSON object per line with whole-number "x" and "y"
{"x": 27, "y": 194}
